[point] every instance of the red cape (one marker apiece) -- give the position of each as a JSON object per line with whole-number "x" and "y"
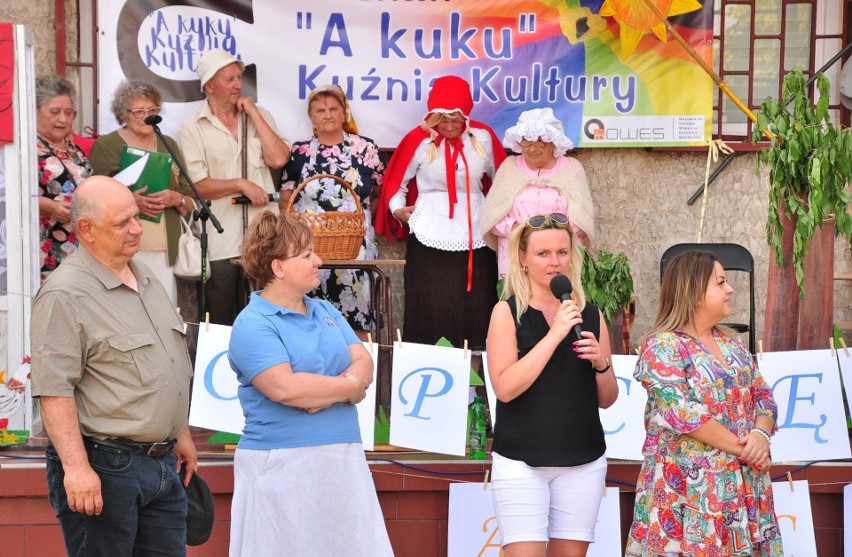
{"x": 386, "y": 223}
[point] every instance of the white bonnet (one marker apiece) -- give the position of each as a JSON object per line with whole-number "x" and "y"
{"x": 534, "y": 124}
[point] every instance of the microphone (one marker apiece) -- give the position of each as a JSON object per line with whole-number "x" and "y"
{"x": 243, "y": 200}
{"x": 560, "y": 286}
{"x": 153, "y": 119}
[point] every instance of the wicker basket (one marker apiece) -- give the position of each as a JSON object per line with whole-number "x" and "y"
{"x": 337, "y": 234}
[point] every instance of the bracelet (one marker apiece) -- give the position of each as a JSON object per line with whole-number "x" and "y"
{"x": 605, "y": 368}
{"x": 763, "y": 433}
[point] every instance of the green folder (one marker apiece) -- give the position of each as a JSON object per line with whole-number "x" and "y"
{"x": 155, "y": 175}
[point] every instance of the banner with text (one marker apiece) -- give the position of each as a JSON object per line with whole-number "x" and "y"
{"x": 607, "y": 68}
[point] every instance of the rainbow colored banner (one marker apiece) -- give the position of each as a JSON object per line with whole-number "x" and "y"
{"x": 608, "y": 68}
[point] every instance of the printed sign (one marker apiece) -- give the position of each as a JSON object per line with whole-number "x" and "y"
{"x": 607, "y": 69}
{"x": 429, "y": 395}
{"x": 811, "y": 417}
{"x": 472, "y": 523}
{"x": 793, "y": 509}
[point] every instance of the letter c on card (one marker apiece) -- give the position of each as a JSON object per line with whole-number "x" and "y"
{"x": 208, "y": 378}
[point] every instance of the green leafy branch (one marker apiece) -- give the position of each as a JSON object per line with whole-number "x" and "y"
{"x": 810, "y": 165}
{"x": 607, "y": 282}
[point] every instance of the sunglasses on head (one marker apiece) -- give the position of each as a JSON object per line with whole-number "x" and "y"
{"x": 553, "y": 220}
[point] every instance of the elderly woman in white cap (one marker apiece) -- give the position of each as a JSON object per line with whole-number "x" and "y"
{"x": 540, "y": 182}
{"x": 211, "y": 140}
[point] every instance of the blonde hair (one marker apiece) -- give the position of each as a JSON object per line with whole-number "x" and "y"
{"x": 684, "y": 285}
{"x": 271, "y": 237}
{"x": 434, "y": 118}
{"x": 518, "y": 282}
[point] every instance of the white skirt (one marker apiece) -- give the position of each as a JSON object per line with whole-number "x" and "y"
{"x": 308, "y": 501}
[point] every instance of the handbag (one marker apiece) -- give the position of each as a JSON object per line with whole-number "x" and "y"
{"x": 188, "y": 262}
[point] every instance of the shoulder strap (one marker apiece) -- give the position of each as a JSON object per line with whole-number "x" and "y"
{"x": 513, "y": 308}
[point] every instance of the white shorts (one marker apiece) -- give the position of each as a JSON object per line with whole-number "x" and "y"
{"x": 537, "y": 504}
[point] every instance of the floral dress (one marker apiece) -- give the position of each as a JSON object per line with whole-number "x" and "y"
{"x": 60, "y": 172}
{"x": 692, "y": 499}
{"x": 357, "y": 161}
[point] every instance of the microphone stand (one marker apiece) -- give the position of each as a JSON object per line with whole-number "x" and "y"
{"x": 202, "y": 211}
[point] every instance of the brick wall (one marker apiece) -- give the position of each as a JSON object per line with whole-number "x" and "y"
{"x": 414, "y": 502}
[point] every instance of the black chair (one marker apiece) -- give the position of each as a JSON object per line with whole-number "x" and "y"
{"x": 733, "y": 257}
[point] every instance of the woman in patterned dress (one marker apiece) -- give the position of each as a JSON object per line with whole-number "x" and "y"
{"x": 62, "y": 167}
{"x": 704, "y": 487}
{"x": 336, "y": 148}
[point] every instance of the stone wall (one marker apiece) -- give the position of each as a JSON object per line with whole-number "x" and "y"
{"x": 39, "y": 17}
{"x": 641, "y": 200}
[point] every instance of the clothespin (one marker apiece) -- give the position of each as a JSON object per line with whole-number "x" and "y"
{"x": 845, "y": 350}
{"x": 464, "y": 354}
{"x": 207, "y": 321}
{"x": 760, "y": 349}
{"x": 370, "y": 341}
{"x": 485, "y": 480}
{"x": 831, "y": 346}
{"x": 177, "y": 309}
{"x": 399, "y": 337}
{"x": 790, "y": 481}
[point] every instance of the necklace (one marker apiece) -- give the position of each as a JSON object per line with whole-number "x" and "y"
{"x": 56, "y": 146}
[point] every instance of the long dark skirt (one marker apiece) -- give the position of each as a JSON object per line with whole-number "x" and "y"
{"x": 436, "y": 302}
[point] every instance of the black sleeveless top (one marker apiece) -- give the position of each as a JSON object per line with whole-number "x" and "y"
{"x": 556, "y": 422}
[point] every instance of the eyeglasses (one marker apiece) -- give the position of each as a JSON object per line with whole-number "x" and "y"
{"x": 527, "y": 143}
{"x": 143, "y": 112}
{"x": 553, "y": 220}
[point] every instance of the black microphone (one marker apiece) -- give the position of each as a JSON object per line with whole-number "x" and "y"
{"x": 153, "y": 119}
{"x": 560, "y": 286}
{"x": 243, "y": 200}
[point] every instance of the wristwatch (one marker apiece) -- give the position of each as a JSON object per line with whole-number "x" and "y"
{"x": 605, "y": 368}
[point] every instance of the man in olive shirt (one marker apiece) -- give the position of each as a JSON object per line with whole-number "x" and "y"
{"x": 112, "y": 371}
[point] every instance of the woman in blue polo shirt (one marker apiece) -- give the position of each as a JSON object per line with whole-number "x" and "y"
{"x": 300, "y": 474}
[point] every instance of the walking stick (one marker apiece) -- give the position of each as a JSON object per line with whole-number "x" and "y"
{"x": 246, "y": 285}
